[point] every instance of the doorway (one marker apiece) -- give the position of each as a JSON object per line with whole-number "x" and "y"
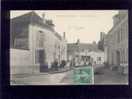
{"x": 41, "y": 58}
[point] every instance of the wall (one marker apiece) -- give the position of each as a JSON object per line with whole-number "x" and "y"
{"x": 121, "y": 44}
{"x": 50, "y": 41}
{"x": 20, "y": 61}
{"x": 95, "y": 55}
{"x": 94, "y": 58}
{"x": 117, "y": 42}
{"x": 19, "y": 34}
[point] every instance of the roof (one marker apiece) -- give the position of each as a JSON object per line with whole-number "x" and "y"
{"x": 82, "y": 46}
{"x": 31, "y": 18}
{"x": 57, "y": 35}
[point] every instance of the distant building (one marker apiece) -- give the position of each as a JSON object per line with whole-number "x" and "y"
{"x": 96, "y": 57}
{"x": 34, "y": 44}
{"x": 116, "y": 41}
{"x": 84, "y": 54}
{"x": 101, "y": 41}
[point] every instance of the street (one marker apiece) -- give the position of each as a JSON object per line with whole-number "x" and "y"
{"x": 51, "y": 53}
{"x": 107, "y": 76}
{"x": 42, "y": 79}
{"x": 68, "y": 78}
{"x": 104, "y": 76}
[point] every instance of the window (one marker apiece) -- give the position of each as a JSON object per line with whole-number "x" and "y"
{"x": 21, "y": 43}
{"x": 88, "y": 58}
{"x": 126, "y": 31}
{"x": 40, "y": 39}
{"x": 121, "y": 32}
{"x": 127, "y": 55}
{"x": 98, "y": 58}
{"x": 36, "y": 56}
{"x": 19, "y": 36}
{"x": 118, "y": 36}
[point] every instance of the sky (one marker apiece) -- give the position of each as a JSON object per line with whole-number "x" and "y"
{"x": 85, "y": 25}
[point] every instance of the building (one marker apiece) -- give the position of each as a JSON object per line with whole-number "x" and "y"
{"x": 34, "y": 44}
{"x": 96, "y": 57}
{"x": 84, "y": 54}
{"x": 102, "y": 36}
{"x": 101, "y": 41}
{"x": 116, "y": 42}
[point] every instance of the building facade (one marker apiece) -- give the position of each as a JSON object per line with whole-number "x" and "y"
{"x": 116, "y": 41}
{"x": 84, "y": 54}
{"x": 36, "y": 36}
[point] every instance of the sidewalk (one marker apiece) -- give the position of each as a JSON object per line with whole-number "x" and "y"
{"x": 39, "y": 79}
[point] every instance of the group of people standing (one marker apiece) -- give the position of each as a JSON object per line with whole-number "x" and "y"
{"x": 57, "y": 66}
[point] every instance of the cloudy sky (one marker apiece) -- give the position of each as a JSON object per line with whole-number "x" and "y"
{"x": 85, "y": 25}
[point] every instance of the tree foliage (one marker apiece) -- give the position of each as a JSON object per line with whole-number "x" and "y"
{"x": 101, "y": 45}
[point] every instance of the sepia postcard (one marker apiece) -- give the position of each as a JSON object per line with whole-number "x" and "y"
{"x": 69, "y": 47}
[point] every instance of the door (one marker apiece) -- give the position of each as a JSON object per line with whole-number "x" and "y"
{"x": 43, "y": 65}
{"x": 41, "y": 56}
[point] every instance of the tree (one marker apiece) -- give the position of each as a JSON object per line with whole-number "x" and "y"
{"x": 101, "y": 45}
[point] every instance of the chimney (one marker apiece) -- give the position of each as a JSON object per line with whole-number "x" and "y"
{"x": 116, "y": 19}
{"x": 50, "y": 23}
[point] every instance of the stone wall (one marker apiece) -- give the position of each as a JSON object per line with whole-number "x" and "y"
{"x": 20, "y": 61}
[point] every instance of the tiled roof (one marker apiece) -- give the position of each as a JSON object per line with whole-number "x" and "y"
{"x": 33, "y": 18}
{"x": 82, "y": 46}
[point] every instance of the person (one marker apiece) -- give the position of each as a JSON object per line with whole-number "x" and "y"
{"x": 90, "y": 64}
{"x": 63, "y": 63}
{"x": 72, "y": 63}
{"x": 55, "y": 65}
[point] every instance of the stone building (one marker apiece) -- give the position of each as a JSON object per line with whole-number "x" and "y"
{"x": 116, "y": 41}
{"x": 84, "y": 53}
{"x": 34, "y": 44}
